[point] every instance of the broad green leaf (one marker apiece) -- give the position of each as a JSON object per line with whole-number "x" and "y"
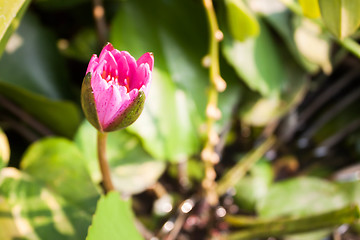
{"x": 174, "y": 109}
{"x": 352, "y": 190}
{"x": 268, "y": 68}
{"x": 133, "y": 170}
{"x": 4, "y": 150}
{"x": 254, "y": 186}
{"x": 310, "y": 8}
{"x": 8, "y": 228}
{"x": 31, "y": 61}
{"x": 257, "y": 62}
{"x": 306, "y": 196}
{"x": 58, "y": 163}
{"x": 341, "y": 17}
{"x": 113, "y": 220}
{"x": 281, "y": 20}
{"x": 241, "y": 21}
{"x": 11, "y": 12}
{"x": 38, "y": 213}
{"x": 301, "y": 197}
{"x": 62, "y": 117}
{"x": 259, "y": 111}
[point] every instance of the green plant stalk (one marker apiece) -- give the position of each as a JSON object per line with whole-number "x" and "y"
{"x": 347, "y": 43}
{"x": 103, "y": 164}
{"x": 291, "y": 225}
{"x": 214, "y": 73}
{"x": 234, "y": 175}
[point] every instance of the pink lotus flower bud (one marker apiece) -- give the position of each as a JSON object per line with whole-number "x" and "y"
{"x": 115, "y": 87}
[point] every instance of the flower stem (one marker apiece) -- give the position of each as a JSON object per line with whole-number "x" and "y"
{"x": 104, "y": 166}
{"x": 217, "y": 84}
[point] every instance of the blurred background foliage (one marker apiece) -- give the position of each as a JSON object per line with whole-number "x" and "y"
{"x": 291, "y": 69}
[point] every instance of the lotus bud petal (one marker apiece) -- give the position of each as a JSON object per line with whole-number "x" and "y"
{"x": 115, "y": 87}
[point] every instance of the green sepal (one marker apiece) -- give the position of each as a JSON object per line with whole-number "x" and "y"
{"x": 129, "y": 116}
{"x": 88, "y": 102}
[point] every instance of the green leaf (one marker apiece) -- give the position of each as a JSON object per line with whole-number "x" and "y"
{"x": 174, "y": 109}
{"x": 268, "y": 68}
{"x": 307, "y": 196}
{"x": 32, "y": 61}
{"x": 341, "y": 17}
{"x": 281, "y": 21}
{"x": 254, "y": 186}
{"x": 4, "y": 150}
{"x": 242, "y": 22}
{"x": 302, "y": 196}
{"x": 8, "y": 225}
{"x": 38, "y": 212}
{"x": 133, "y": 170}
{"x": 310, "y": 8}
{"x": 352, "y": 190}
{"x": 113, "y": 220}
{"x": 303, "y": 227}
{"x": 58, "y": 163}
{"x": 62, "y": 117}
{"x": 257, "y": 62}
{"x": 11, "y": 12}
{"x": 259, "y": 111}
